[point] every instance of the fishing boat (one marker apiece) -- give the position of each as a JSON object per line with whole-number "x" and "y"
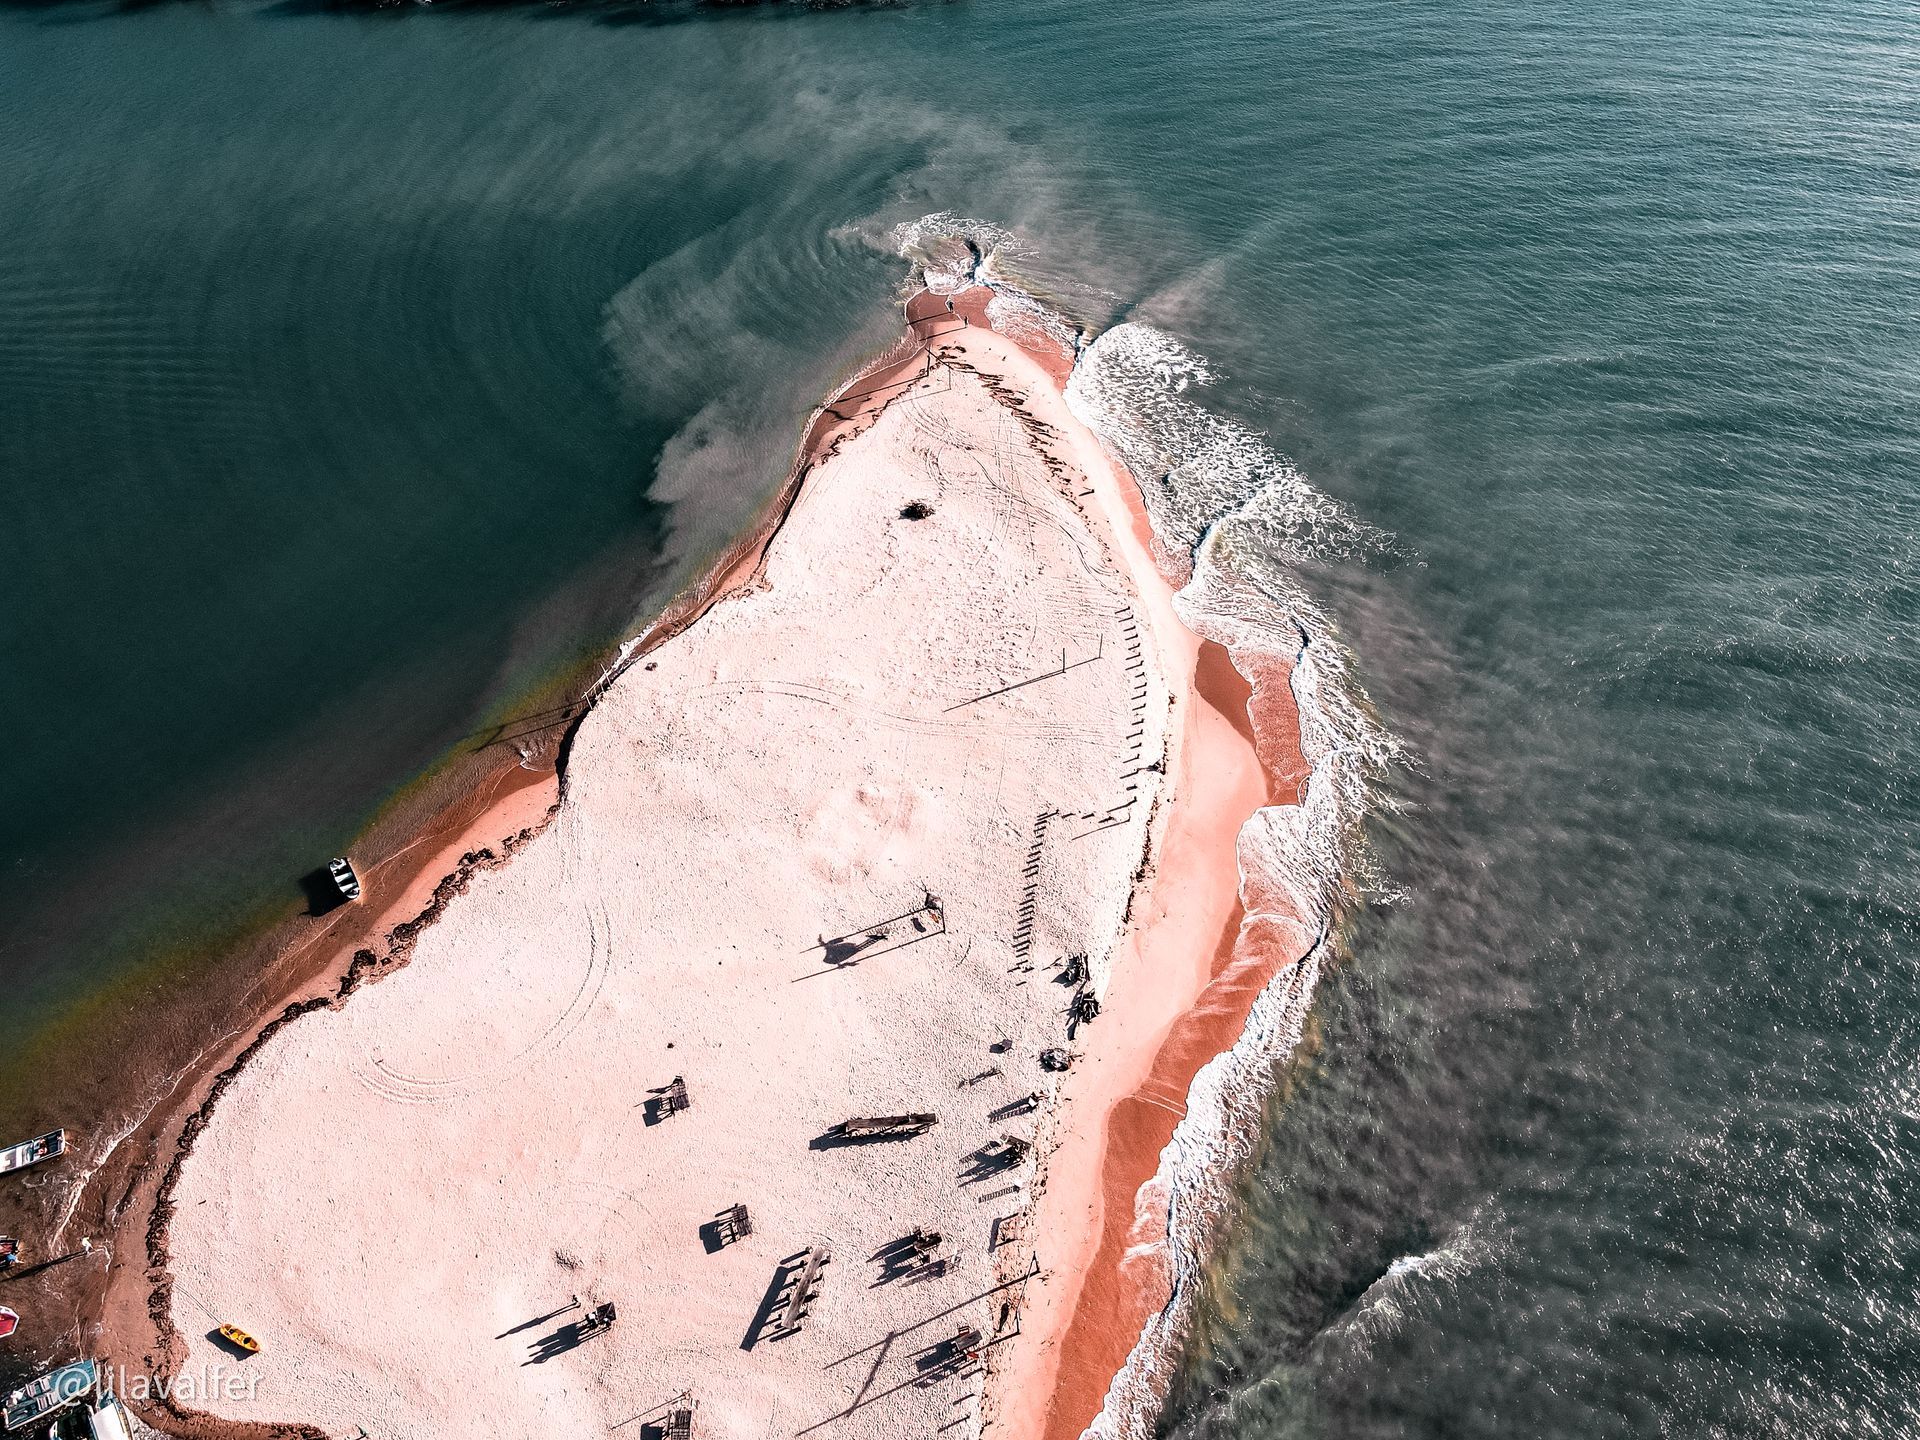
{"x": 50, "y": 1394}
{"x": 344, "y": 880}
{"x": 235, "y": 1336}
{"x": 32, "y": 1152}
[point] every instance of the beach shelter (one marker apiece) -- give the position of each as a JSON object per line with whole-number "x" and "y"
{"x": 9, "y": 1322}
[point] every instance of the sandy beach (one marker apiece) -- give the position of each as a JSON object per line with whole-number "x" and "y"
{"x": 928, "y": 761}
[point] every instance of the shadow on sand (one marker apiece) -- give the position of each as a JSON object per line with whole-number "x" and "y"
{"x": 238, "y": 1352}
{"x": 323, "y": 896}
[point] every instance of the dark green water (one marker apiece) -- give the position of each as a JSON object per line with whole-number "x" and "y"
{"x": 358, "y": 373}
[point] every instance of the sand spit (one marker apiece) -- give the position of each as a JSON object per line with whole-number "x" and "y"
{"x": 822, "y": 850}
{"x": 391, "y": 1192}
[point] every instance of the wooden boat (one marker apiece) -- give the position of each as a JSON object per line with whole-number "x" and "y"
{"x": 50, "y": 1394}
{"x": 344, "y": 880}
{"x": 234, "y": 1335}
{"x": 32, "y": 1152}
{"x": 883, "y": 1127}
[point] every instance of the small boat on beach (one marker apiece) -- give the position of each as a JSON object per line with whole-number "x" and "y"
{"x": 235, "y": 1336}
{"x": 50, "y": 1394}
{"x": 344, "y": 880}
{"x": 32, "y": 1152}
{"x": 884, "y": 1127}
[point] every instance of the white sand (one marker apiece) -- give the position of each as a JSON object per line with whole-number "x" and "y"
{"x": 390, "y": 1187}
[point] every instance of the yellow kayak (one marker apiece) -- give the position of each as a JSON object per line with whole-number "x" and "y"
{"x": 234, "y": 1335}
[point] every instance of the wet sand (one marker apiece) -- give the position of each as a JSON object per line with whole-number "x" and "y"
{"x": 1194, "y": 969}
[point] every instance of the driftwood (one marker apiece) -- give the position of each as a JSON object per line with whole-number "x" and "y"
{"x": 802, "y": 1291}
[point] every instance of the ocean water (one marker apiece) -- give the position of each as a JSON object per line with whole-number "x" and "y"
{"x": 359, "y": 372}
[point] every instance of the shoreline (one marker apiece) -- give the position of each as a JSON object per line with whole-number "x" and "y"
{"x": 1075, "y": 1305}
{"x": 1182, "y": 1006}
{"x": 290, "y": 962}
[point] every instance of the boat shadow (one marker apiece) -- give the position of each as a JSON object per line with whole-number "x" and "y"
{"x": 238, "y": 1352}
{"x": 323, "y": 896}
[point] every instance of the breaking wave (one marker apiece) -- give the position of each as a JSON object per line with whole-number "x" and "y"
{"x": 951, "y": 252}
{"x": 1233, "y": 524}
{"x": 1411, "y": 1287}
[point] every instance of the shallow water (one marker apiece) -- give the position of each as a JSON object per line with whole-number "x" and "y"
{"x": 356, "y": 373}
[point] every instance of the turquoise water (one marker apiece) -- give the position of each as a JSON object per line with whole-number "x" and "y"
{"x": 357, "y": 371}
